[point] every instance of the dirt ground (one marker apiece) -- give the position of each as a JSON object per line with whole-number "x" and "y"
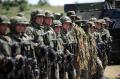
{"x": 112, "y": 72}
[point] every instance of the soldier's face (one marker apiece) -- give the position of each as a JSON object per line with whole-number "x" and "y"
{"x": 39, "y": 20}
{"x": 103, "y": 26}
{"x": 48, "y": 21}
{"x": 73, "y": 17}
{"x": 3, "y": 28}
{"x": 57, "y": 29}
{"x": 21, "y": 28}
{"x": 66, "y": 25}
{"x": 98, "y": 26}
{"x": 107, "y": 24}
{"x": 88, "y": 28}
{"x": 92, "y": 28}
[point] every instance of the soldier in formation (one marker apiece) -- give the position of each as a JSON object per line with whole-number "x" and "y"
{"x": 53, "y": 46}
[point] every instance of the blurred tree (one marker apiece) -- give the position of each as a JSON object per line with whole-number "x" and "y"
{"x": 6, "y": 4}
{"x": 0, "y": 1}
{"x": 43, "y": 2}
{"x": 23, "y": 6}
{"x": 15, "y": 3}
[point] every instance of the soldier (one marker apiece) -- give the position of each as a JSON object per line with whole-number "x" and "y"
{"x": 69, "y": 39}
{"x": 108, "y": 22}
{"x": 58, "y": 47}
{"x": 105, "y": 41}
{"x": 36, "y": 31}
{"x": 4, "y": 26}
{"x": 59, "y": 43}
{"x": 6, "y": 64}
{"x": 97, "y": 38}
{"x": 91, "y": 44}
{"x": 36, "y": 27}
{"x": 108, "y": 25}
{"x": 57, "y": 16}
{"x": 50, "y": 34}
{"x": 72, "y": 15}
{"x": 83, "y": 53}
{"x": 49, "y": 38}
{"x": 23, "y": 50}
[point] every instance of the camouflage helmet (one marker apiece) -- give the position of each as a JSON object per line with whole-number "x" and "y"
{"x": 19, "y": 20}
{"x": 91, "y": 23}
{"x": 93, "y": 19}
{"x": 64, "y": 19}
{"x": 21, "y": 14}
{"x": 78, "y": 17}
{"x": 71, "y": 13}
{"x": 57, "y": 14}
{"x": 81, "y": 23}
{"x": 4, "y": 19}
{"x": 37, "y": 12}
{"x": 49, "y": 14}
{"x": 101, "y": 21}
{"x": 107, "y": 19}
{"x": 56, "y": 23}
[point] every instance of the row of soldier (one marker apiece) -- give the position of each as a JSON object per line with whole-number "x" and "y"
{"x": 53, "y": 46}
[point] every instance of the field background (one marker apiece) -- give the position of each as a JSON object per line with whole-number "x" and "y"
{"x": 14, "y": 10}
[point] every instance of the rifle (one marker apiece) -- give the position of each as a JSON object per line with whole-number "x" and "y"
{"x": 25, "y": 67}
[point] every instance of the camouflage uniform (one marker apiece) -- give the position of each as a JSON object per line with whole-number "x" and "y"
{"x": 50, "y": 34}
{"x": 69, "y": 39}
{"x": 49, "y": 38}
{"x": 4, "y": 39}
{"x": 72, "y": 15}
{"x": 97, "y": 39}
{"x": 6, "y": 64}
{"x": 91, "y": 46}
{"x": 23, "y": 50}
{"x": 84, "y": 55}
{"x": 108, "y": 23}
{"x": 106, "y": 39}
{"x": 36, "y": 31}
{"x": 59, "y": 48}
{"x": 58, "y": 41}
{"x": 57, "y": 16}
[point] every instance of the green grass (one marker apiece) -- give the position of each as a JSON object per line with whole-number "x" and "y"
{"x": 14, "y": 10}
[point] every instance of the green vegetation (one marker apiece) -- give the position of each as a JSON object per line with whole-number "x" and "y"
{"x": 13, "y": 9}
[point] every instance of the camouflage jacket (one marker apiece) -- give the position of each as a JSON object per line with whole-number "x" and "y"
{"x": 105, "y": 35}
{"x": 49, "y": 36}
{"x": 82, "y": 50}
{"x": 69, "y": 36}
{"x": 22, "y": 45}
{"x": 36, "y": 33}
{"x": 5, "y": 46}
{"x": 58, "y": 44}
